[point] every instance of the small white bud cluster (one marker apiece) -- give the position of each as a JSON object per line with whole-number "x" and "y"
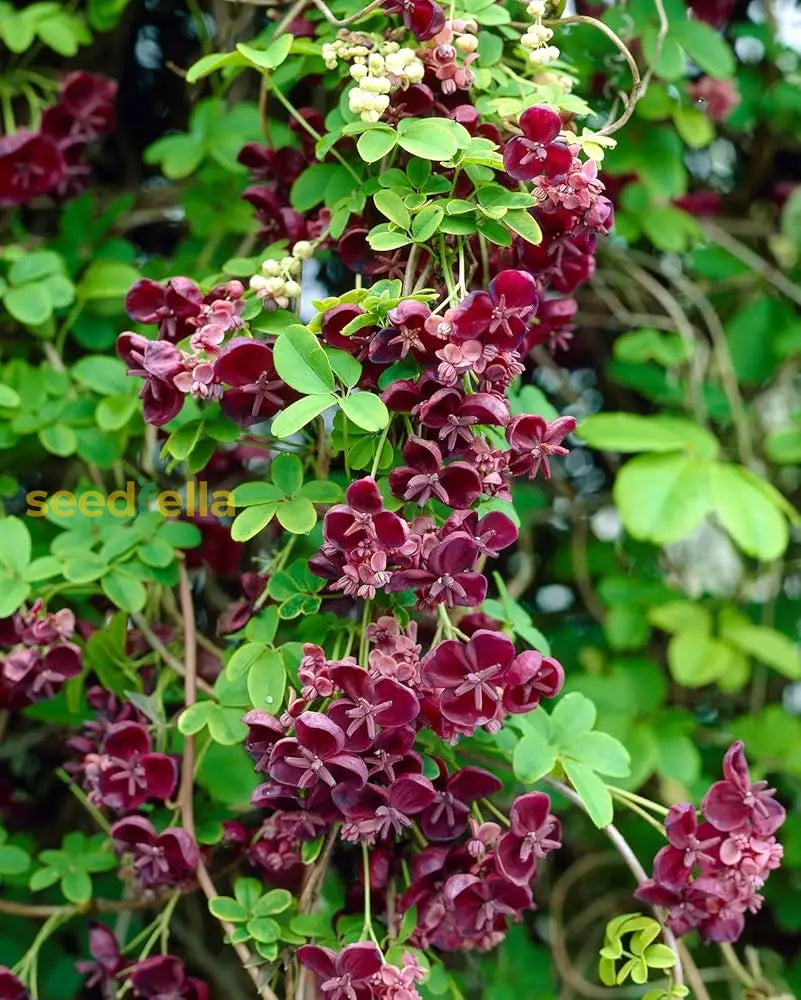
{"x": 278, "y": 279}
{"x": 343, "y": 49}
{"x": 378, "y": 74}
{"x": 538, "y": 35}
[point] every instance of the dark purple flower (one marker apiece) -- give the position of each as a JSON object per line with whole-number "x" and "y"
{"x": 500, "y": 315}
{"x": 362, "y": 519}
{"x": 31, "y": 675}
{"x": 424, "y": 18}
{"x": 735, "y": 801}
{"x": 455, "y": 415}
{"x": 125, "y": 773}
{"x": 391, "y": 755}
{"x": 172, "y": 306}
{"x": 369, "y": 704}
{"x": 85, "y": 109}
{"x": 10, "y": 987}
{"x": 471, "y": 675}
{"x": 315, "y": 754}
{"x": 264, "y": 731}
{"x": 530, "y": 678}
{"x": 407, "y": 333}
{"x": 492, "y": 533}
{"x": 104, "y": 971}
{"x": 481, "y": 905}
{"x": 536, "y": 151}
{"x": 163, "y": 977}
{"x": 343, "y": 975}
{"x": 685, "y": 849}
{"x": 456, "y": 485}
{"x": 533, "y": 441}
{"x": 277, "y": 219}
{"x": 258, "y": 392}
{"x": 448, "y": 576}
{"x": 377, "y": 812}
{"x": 447, "y": 816}
{"x": 534, "y": 832}
{"x": 169, "y": 858}
{"x": 30, "y": 165}
{"x": 157, "y": 362}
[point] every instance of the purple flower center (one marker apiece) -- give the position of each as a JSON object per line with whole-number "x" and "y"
{"x": 131, "y": 771}
{"x": 313, "y": 768}
{"x": 364, "y": 713}
{"x": 266, "y": 387}
{"x": 477, "y": 681}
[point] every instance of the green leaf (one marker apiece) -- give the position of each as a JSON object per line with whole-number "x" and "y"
{"x": 694, "y": 127}
{"x": 106, "y": 279}
{"x": 124, "y": 590}
{"x": 30, "y": 304}
{"x": 252, "y": 520}
{"x": 300, "y": 413}
{"x": 77, "y": 887}
{"x": 382, "y": 239}
{"x": 58, "y": 439}
{"x": 264, "y": 929}
{"x": 43, "y": 878}
{"x": 426, "y": 222}
{"x": 13, "y": 860}
{"x": 209, "y": 64}
{"x": 659, "y": 956}
{"x": 272, "y": 902}
{"x": 533, "y": 758}
{"x": 663, "y": 498}
{"x": 301, "y": 361}
{"x": 195, "y": 717}
{"x": 678, "y": 616}
{"x": 35, "y": 266}
{"x": 114, "y": 412}
{"x": 272, "y": 56}
{"x": 267, "y": 681}
{"x": 102, "y": 374}
{"x": 696, "y": 658}
{"x": 764, "y": 644}
{"x": 427, "y": 138}
{"x": 629, "y": 432}
{"x": 592, "y": 791}
{"x": 524, "y": 224}
{"x": 601, "y": 752}
{"x": 573, "y": 716}
{"x": 226, "y": 726}
{"x": 754, "y": 523}
{"x": 375, "y": 143}
{"x": 366, "y": 411}
{"x": 247, "y": 658}
{"x": 322, "y": 491}
{"x": 705, "y": 47}
{"x": 248, "y": 494}
{"x": 309, "y": 189}
{"x": 179, "y": 155}
{"x": 298, "y": 516}
{"x": 226, "y": 908}
{"x": 15, "y": 545}
{"x": 286, "y": 471}
{"x": 392, "y": 207}
{"x": 346, "y": 368}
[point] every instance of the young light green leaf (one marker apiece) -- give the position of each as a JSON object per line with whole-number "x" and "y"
{"x": 300, "y": 413}
{"x": 301, "y": 362}
{"x": 592, "y": 791}
{"x": 366, "y": 411}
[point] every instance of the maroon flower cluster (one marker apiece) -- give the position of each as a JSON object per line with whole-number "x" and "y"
{"x": 710, "y": 873}
{"x": 179, "y": 310}
{"x": 358, "y": 972}
{"x": 38, "y": 657}
{"x": 162, "y": 977}
{"x": 52, "y": 160}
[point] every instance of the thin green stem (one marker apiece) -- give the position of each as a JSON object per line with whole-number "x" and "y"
{"x": 496, "y": 812}
{"x": 633, "y": 807}
{"x": 367, "y": 929}
{"x": 732, "y": 959}
{"x": 379, "y": 448}
{"x": 79, "y": 794}
{"x": 312, "y": 131}
{"x": 363, "y": 645}
{"x": 640, "y": 800}
{"x": 345, "y": 447}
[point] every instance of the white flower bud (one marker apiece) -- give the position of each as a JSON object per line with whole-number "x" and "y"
{"x": 271, "y": 267}
{"x": 466, "y": 44}
{"x": 292, "y": 289}
{"x": 281, "y": 301}
{"x": 303, "y": 250}
{"x": 275, "y": 286}
{"x": 376, "y": 63}
{"x": 358, "y": 71}
{"x": 415, "y": 72}
{"x": 536, "y": 8}
{"x": 376, "y": 84}
{"x": 258, "y": 283}
{"x": 544, "y": 56}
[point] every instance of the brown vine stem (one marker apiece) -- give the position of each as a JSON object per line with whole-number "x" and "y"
{"x": 329, "y": 15}
{"x": 158, "y": 647}
{"x": 633, "y": 863}
{"x": 42, "y": 912}
{"x": 411, "y": 268}
{"x": 185, "y": 794}
{"x": 758, "y": 264}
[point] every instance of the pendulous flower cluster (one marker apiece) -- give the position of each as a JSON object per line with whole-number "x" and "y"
{"x": 51, "y": 161}
{"x": 38, "y": 658}
{"x": 710, "y": 873}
